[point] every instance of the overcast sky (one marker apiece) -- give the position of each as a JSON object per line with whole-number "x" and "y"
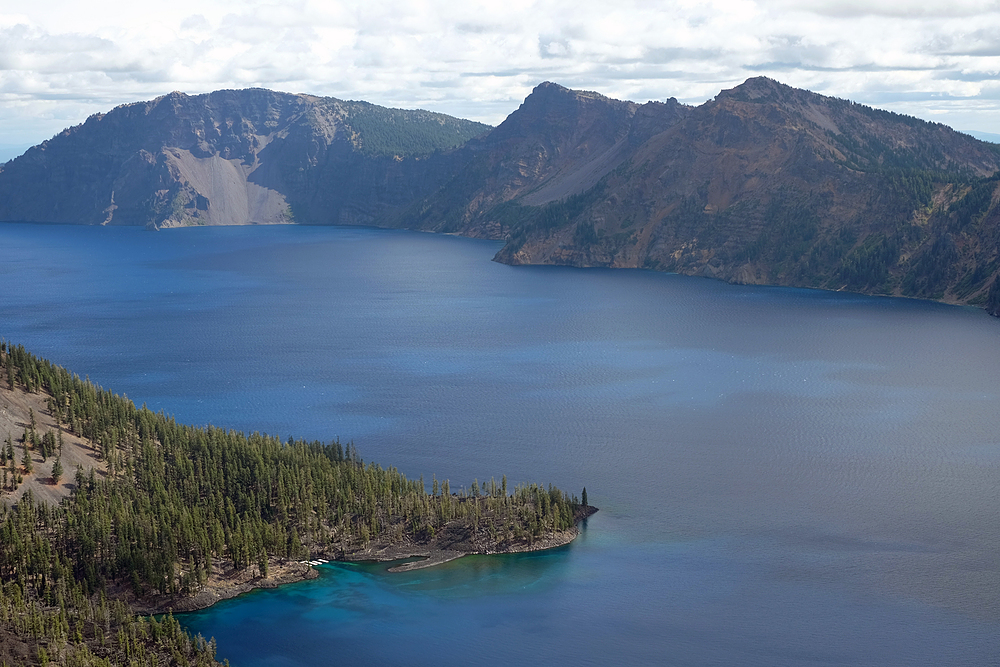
{"x": 62, "y": 60}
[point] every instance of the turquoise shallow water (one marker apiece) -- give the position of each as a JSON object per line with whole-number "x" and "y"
{"x": 784, "y": 476}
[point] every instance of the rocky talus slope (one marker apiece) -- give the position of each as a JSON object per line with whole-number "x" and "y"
{"x": 232, "y": 157}
{"x": 763, "y": 184}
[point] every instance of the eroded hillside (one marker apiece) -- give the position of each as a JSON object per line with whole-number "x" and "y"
{"x": 231, "y": 157}
{"x": 763, "y": 184}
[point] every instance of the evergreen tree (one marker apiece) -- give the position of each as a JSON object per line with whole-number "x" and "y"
{"x": 184, "y": 499}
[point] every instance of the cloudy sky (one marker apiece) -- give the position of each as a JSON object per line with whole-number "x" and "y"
{"x": 62, "y": 60}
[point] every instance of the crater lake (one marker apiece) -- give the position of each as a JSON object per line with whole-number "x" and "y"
{"x": 784, "y": 476}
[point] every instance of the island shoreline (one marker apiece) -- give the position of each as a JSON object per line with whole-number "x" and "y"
{"x": 231, "y": 583}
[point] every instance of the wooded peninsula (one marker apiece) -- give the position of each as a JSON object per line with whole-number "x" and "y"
{"x": 172, "y": 517}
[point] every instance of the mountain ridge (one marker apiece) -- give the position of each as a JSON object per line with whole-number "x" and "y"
{"x": 763, "y": 184}
{"x": 226, "y": 157}
{"x": 773, "y": 185}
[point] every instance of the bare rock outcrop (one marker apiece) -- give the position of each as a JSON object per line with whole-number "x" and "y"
{"x": 231, "y": 157}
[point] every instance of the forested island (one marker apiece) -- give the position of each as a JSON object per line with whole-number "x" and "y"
{"x": 172, "y": 517}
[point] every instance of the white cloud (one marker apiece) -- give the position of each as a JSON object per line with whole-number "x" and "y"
{"x": 61, "y": 60}
{"x": 904, "y": 9}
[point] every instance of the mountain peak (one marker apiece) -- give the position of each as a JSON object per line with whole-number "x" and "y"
{"x": 549, "y": 86}
{"x": 550, "y": 90}
{"x": 552, "y": 113}
{"x": 758, "y": 88}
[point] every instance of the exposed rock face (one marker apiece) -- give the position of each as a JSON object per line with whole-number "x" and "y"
{"x": 230, "y": 157}
{"x": 559, "y": 143}
{"x": 763, "y": 184}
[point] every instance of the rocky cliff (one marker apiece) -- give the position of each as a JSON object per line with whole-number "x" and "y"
{"x": 763, "y": 184}
{"x": 232, "y": 157}
{"x": 557, "y": 144}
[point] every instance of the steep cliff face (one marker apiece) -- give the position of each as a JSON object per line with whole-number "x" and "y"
{"x": 769, "y": 184}
{"x": 763, "y": 184}
{"x": 231, "y": 157}
{"x": 557, "y": 144}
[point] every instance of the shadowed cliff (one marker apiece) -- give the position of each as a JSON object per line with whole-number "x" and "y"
{"x": 763, "y": 184}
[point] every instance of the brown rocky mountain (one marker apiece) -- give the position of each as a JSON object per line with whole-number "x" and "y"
{"x": 232, "y": 157}
{"x": 559, "y": 143}
{"x": 763, "y": 184}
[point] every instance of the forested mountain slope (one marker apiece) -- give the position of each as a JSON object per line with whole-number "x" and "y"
{"x": 173, "y": 514}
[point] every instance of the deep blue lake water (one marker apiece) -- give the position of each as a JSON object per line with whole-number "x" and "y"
{"x": 785, "y": 476}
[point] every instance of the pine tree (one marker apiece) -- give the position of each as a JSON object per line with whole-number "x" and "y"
{"x": 583, "y": 497}
{"x": 57, "y": 471}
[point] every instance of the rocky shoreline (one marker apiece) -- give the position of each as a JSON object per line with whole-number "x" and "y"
{"x": 230, "y": 583}
{"x": 224, "y": 586}
{"x": 436, "y": 556}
